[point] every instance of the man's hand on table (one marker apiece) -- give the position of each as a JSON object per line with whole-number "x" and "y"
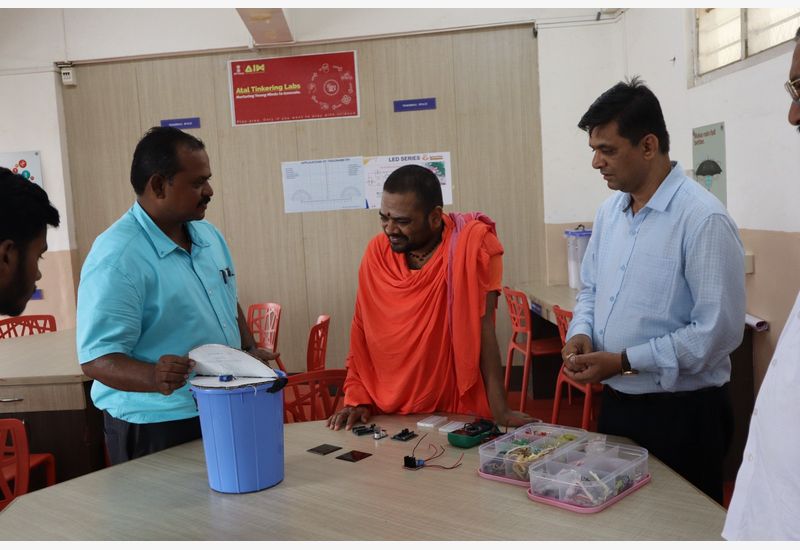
{"x": 349, "y": 416}
{"x": 513, "y": 419}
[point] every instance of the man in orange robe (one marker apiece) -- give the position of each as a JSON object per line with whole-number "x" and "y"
{"x": 423, "y": 336}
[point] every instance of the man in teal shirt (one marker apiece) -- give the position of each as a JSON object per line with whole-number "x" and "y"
{"x": 156, "y": 284}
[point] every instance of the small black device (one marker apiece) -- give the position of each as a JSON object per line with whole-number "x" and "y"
{"x": 353, "y": 456}
{"x": 364, "y": 430}
{"x": 324, "y": 449}
{"x": 404, "y": 435}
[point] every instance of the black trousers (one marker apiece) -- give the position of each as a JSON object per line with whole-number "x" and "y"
{"x": 689, "y": 431}
{"x": 126, "y": 441}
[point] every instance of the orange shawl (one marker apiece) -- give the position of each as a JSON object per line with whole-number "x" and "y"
{"x": 404, "y": 357}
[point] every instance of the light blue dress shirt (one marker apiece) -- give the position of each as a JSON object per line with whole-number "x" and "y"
{"x": 143, "y": 295}
{"x": 667, "y": 285}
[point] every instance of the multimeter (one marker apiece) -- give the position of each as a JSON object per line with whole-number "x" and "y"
{"x": 473, "y": 433}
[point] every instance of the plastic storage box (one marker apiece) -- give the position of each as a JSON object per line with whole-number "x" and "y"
{"x": 509, "y": 457}
{"x": 589, "y": 476}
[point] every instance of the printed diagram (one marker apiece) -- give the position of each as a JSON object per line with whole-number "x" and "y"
{"x": 331, "y": 87}
{"x": 319, "y": 185}
{"x": 377, "y": 169}
{"x": 708, "y": 168}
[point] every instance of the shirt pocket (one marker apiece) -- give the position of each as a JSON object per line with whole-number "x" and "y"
{"x": 653, "y": 278}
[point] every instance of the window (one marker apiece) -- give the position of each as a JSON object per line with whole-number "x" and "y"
{"x": 728, "y": 35}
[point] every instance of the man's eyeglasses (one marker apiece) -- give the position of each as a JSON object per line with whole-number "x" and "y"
{"x": 793, "y": 87}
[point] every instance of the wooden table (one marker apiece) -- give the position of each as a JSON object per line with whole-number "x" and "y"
{"x": 166, "y": 496}
{"x": 41, "y": 382}
{"x": 543, "y": 297}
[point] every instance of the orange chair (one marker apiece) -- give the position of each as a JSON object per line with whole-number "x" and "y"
{"x": 318, "y": 344}
{"x": 520, "y": 312}
{"x": 264, "y": 321}
{"x": 563, "y": 318}
{"x": 16, "y": 462}
{"x": 313, "y": 395}
{"x": 26, "y": 324}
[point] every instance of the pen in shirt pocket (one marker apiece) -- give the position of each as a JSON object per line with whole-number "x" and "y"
{"x": 226, "y": 273}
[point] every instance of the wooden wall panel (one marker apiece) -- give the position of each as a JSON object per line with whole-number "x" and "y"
{"x": 266, "y": 243}
{"x": 103, "y": 127}
{"x": 499, "y": 160}
{"x": 334, "y": 241}
{"x": 486, "y": 87}
{"x": 182, "y": 88}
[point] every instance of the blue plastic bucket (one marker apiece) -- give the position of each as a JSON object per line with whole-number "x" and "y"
{"x": 242, "y": 435}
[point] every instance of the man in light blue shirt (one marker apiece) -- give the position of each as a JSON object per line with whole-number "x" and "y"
{"x": 662, "y": 302}
{"x": 156, "y": 284}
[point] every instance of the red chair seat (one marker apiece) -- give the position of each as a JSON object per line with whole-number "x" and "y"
{"x": 16, "y": 462}
{"x": 313, "y": 395}
{"x": 563, "y": 319}
{"x": 264, "y": 321}
{"x": 520, "y": 312}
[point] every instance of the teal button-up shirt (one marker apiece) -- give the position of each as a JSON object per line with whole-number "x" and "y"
{"x": 143, "y": 295}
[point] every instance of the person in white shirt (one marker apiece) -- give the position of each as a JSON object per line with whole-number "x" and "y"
{"x": 766, "y": 498}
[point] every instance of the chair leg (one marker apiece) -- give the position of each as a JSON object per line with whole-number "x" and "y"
{"x": 557, "y": 399}
{"x": 587, "y": 407}
{"x": 509, "y": 362}
{"x": 526, "y": 371}
{"x": 50, "y": 470}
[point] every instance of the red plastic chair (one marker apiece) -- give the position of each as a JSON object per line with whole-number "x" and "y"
{"x": 563, "y": 318}
{"x": 318, "y": 344}
{"x": 264, "y": 321}
{"x": 520, "y": 312}
{"x": 313, "y": 395}
{"x": 26, "y": 324}
{"x": 16, "y": 462}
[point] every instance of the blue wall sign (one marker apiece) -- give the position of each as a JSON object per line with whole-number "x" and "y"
{"x": 414, "y": 104}
{"x": 181, "y": 123}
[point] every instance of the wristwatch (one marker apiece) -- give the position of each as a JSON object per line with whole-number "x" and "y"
{"x": 626, "y": 365}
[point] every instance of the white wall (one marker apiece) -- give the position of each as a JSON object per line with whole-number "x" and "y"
{"x": 575, "y": 65}
{"x": 761, "y": 148}
{"x": 31, "y": 120}
{"x": 309, "y": 25}
{"x": 109, "y": 33}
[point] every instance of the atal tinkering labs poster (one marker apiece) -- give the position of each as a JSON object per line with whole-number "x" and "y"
{"x": 289, "y": 89}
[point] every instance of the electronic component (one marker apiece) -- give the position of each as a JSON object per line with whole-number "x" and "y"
{"x": 473, "y": 433}
{"x": 413, "y": 463}
{"x": 432, "y": 421}
{"x": 378, "y": 433}
{"x": 364, "y": 430}
{"x": 452, "y": 426}
{"x": 404, "y": 435}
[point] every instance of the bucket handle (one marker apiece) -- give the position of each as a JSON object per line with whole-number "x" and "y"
{"x": 278, "y": 384}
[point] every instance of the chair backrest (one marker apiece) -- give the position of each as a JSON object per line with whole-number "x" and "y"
{"x": 26, "y": 324}
{"x": 519, "y": 309}
{"x": 318, "y": 344}
{"x": 14, "y": 455}
{"x": 264, "y": 321}
{"x": 563, "y": 318}
{"x": 313, "y": 395}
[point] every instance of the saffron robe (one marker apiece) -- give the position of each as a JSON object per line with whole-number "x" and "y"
{"x": 415, "y": 339}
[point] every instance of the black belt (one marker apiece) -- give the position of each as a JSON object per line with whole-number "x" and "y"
{"x": 616, "y": 394}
